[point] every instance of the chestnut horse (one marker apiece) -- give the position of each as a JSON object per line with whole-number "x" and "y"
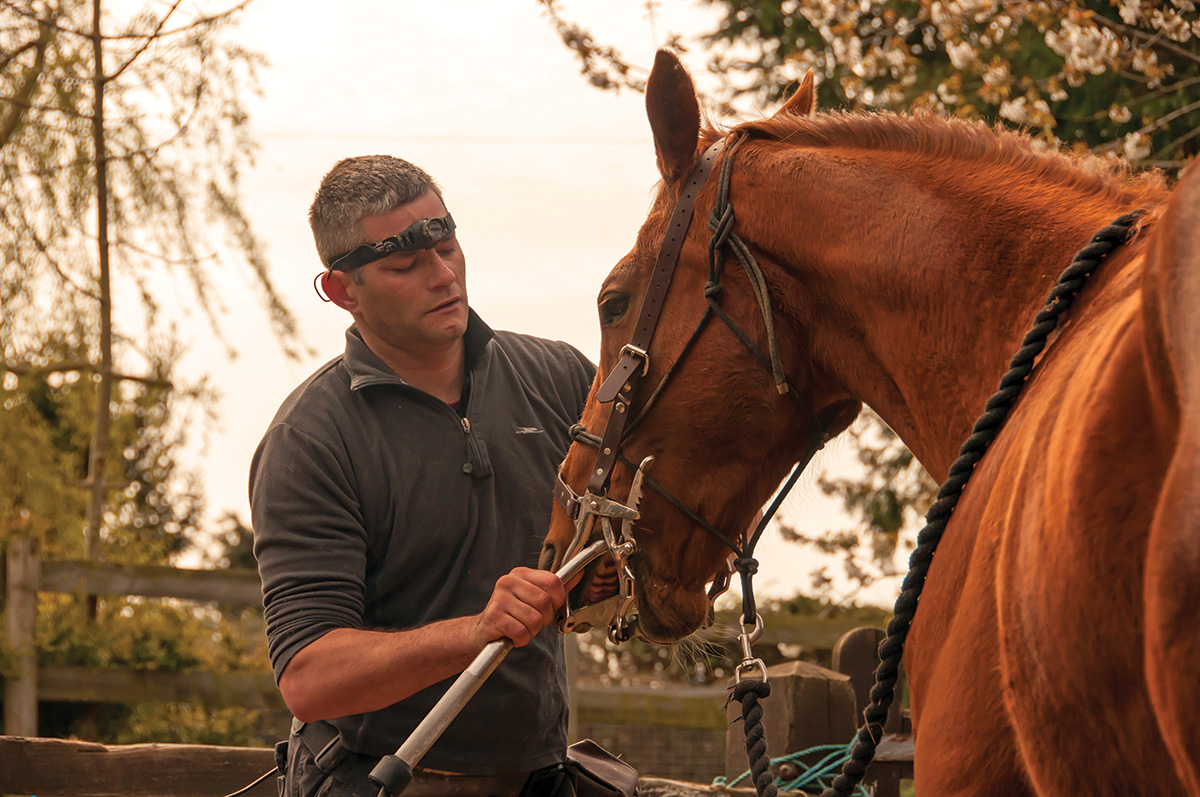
{"x": 1057, "y": 644}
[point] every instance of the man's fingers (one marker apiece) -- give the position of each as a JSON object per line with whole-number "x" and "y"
{"x": 523, "y": 602}
{"x": 534, "y": 587}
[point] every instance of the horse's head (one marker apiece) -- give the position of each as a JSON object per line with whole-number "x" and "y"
{"x": 722, "y": 428}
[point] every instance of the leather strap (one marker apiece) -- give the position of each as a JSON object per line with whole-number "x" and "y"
{"x": 323, "y": 741}
{"x": 622, "y": 381}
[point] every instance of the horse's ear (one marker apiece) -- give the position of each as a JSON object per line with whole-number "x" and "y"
{"x": 674, "y": 115}
{"x": 803, "y": 101}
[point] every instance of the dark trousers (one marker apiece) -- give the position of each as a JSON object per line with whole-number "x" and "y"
{"x": 350, "y": 778}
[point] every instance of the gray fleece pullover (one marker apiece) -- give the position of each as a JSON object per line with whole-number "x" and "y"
{"x": 376, "y": 505}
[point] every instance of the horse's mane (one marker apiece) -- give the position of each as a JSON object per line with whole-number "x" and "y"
{"x": 930, "y": 135}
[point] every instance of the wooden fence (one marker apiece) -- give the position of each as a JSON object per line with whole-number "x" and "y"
{"x": 46, "y": 767}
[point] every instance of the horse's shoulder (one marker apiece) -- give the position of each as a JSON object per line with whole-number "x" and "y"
{"x": 1171, "y": 295}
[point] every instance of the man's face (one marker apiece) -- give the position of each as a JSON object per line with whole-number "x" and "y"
{"x": 413, "y": 300}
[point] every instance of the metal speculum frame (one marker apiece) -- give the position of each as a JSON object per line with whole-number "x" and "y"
{"x": 621, "y": 545}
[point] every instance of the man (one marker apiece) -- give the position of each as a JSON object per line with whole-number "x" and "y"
{"x": 399, "y": 501}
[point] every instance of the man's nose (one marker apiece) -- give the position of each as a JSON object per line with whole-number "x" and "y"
{"x": 441, "y": 273}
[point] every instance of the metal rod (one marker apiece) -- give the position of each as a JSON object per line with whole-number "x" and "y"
{"x": 463, "y": 689}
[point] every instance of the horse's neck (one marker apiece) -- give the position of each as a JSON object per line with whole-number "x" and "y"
{"x": 917, "y": 292}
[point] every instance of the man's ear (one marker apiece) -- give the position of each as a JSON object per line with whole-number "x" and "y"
{"x": 336, "y": 285}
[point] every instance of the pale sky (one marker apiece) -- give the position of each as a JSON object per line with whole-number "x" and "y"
{"x": 548, "y": 180}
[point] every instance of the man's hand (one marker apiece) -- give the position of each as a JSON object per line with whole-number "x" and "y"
{"x": 523, "y": 602}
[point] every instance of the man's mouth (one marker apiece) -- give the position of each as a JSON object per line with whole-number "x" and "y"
{"x": 446, "y": 305}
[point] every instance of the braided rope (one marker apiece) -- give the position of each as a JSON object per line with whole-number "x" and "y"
{"x": 749, "y": 693}
{"x": 982, "y": 434}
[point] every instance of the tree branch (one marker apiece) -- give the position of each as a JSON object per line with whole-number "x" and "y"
{"x": 1153, "y": 39}
{"x": 198, "y": 23}
{"x": 153, "y": 37}
{"x": 15, "y": 111}
{"x": 29, "y": 369}
{"x": 17, "y": 53}
{"x": 49, "y": 108}
{"x": 1150, "y": 128}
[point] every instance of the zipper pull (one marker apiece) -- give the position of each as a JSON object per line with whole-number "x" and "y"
{"x": 466, "y": 425}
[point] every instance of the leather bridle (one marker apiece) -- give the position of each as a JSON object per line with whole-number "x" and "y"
{"x": 616, "y": 519}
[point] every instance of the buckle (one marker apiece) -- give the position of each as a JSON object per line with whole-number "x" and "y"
{"x": 642, "y": 354}
{"x": 331, "y": 755}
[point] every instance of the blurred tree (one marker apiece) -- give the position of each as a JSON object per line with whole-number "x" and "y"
{"x": 1111, "y": 76}
{"x": 1115, "y": 77}
{"x": 174, "y": 143}
{"x": 151, "y": 147}
{"x": 122, "y": 144}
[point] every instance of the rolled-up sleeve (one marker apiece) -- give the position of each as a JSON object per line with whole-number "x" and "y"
{"x": 309, "y": 541}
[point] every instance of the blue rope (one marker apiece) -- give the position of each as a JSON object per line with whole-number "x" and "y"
{"x": 816, "y": 776}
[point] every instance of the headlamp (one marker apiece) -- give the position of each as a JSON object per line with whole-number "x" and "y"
{"x": 423, "y": 234}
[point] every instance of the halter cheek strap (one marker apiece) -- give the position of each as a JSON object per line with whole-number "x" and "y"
{"x": 621, "y": 384}
{"x": 634, "y": 363}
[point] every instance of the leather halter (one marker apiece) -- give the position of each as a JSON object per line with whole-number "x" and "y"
{"x": 621, "y": 385}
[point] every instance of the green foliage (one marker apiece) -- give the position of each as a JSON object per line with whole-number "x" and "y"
{"x": 126, "y": 632}
{"x": 153, "y": 506}
{"x": 179, "y": 723}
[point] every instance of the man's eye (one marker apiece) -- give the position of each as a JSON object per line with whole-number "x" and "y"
{"x": 612, "y": 308}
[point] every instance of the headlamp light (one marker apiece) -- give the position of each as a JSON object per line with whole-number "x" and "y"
{"x": 423, "y": 234}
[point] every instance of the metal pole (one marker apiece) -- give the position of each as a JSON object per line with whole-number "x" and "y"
{"x": 394, "y": 772}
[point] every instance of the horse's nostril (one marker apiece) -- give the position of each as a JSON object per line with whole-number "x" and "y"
{"x": 549, "y": 558}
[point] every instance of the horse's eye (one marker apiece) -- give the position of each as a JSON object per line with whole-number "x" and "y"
{"x": 612, "y": 308}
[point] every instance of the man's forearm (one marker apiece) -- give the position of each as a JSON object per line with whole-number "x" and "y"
{"x": 351, "y": 671}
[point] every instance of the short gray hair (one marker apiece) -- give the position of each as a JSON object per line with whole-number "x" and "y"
{"x": 355, "y": 188}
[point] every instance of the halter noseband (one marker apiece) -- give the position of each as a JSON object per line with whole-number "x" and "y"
{"x": 621, "y": 385}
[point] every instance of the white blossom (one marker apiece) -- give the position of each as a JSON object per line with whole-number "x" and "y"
{"x": 996, "y": 75}
{"x": 1171, "y": 23}
{"x": 848, "y": 51}
{"x": 1085, "y": 49}
{"x": 1015, "y": 111}
{"x": 1136, "y": 145}
{"x": 962, "y": 54}
{"x": 1119, "y": 113}
{"x": 1130, "y": 10}
{"x": 978, "y": 9}
{"x": 1023, "y": 112}
{"x": 1145, "y": 60}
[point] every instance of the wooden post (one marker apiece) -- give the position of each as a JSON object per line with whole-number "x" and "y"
{"x": 857, "y": 655}
{"x": 20, "y": 614}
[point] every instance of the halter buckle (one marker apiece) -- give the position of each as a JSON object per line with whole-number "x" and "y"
{"x": 641, "y": 354}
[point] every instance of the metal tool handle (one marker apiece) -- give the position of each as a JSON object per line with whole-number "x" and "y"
{"x": 394, "y": 772}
